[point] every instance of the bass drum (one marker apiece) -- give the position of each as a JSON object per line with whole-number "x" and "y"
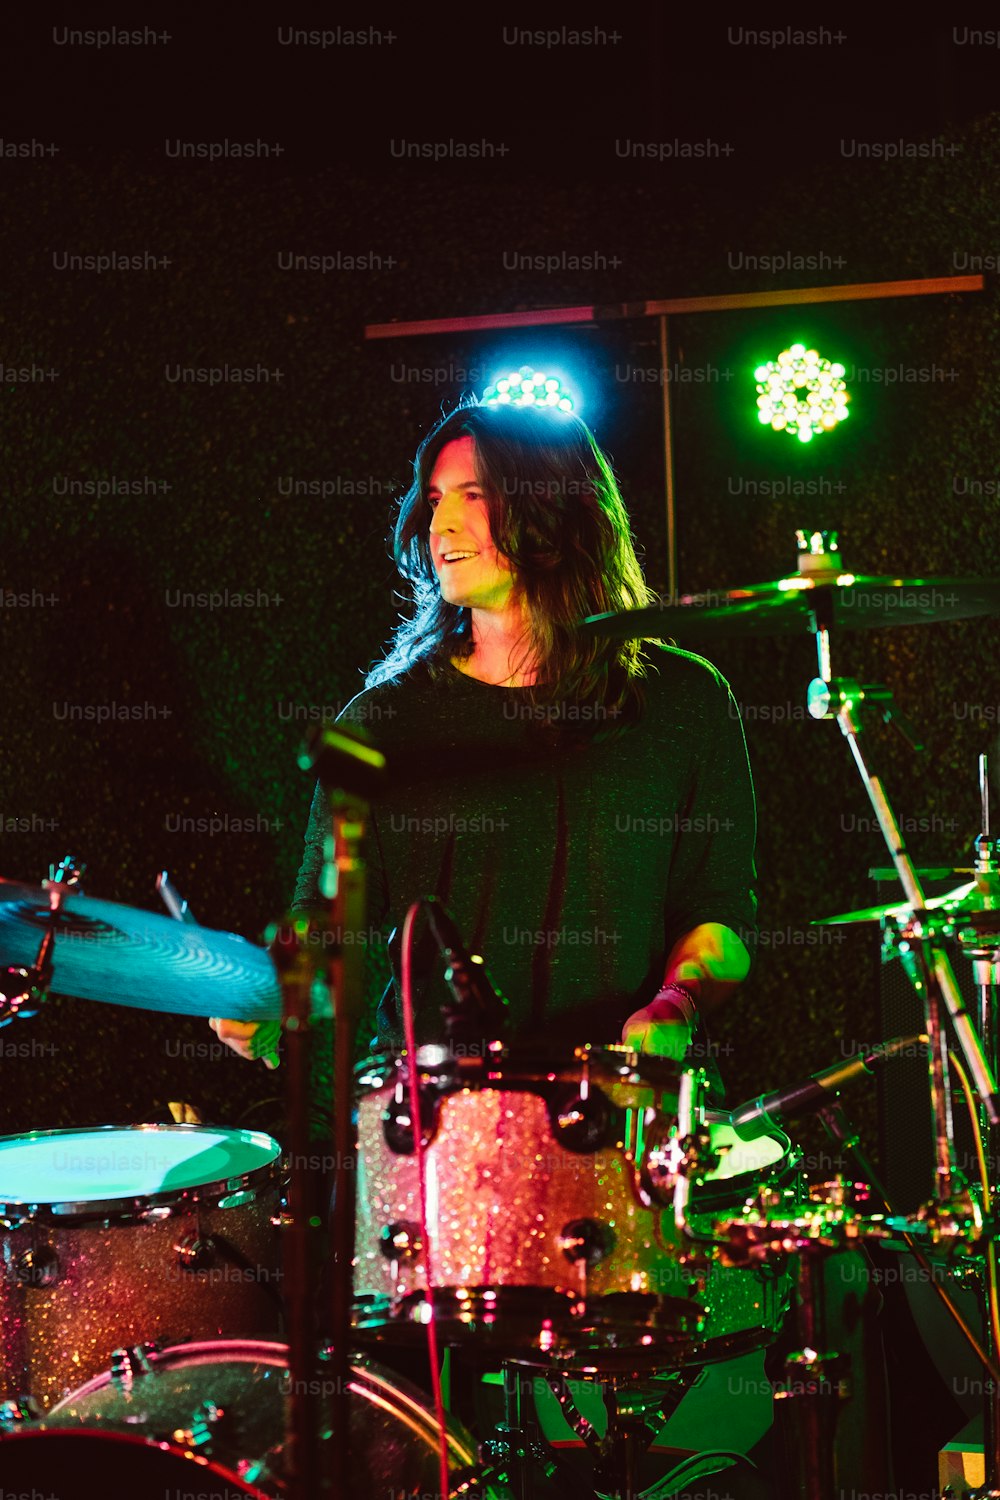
{"x": 68, "y": 1465}
{"x": 209, "y": 1419}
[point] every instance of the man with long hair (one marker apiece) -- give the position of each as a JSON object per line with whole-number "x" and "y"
{"x": 582, "y": 806}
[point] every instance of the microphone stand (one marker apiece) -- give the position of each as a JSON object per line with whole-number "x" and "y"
{"x": 294, "y": 962}
{"x": 345, "y": 872}
{"x": 349, "y": 769}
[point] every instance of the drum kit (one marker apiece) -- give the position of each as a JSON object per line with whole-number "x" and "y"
{"x": 581, "y": 1216}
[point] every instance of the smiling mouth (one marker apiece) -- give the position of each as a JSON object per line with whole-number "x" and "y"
{"x": 449, "y": 561}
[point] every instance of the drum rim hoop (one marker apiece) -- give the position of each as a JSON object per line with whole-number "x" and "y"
{"x": 126, "y": 1210}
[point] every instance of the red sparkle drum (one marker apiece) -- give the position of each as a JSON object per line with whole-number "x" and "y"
{"x": 548, "y": 1235}
{"x": 209, "y": 1419}
{"x": 115, "y": 1236}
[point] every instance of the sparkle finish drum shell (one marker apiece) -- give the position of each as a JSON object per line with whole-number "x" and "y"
{"x": 112, "y": 1237}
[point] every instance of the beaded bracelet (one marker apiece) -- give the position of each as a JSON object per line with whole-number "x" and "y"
{"x": 680, "y": 996}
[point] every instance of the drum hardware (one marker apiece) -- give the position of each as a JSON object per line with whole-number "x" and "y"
{"x": 38, "y": 1267}
{"x": 914, "y": 933}
{"x": 668, "y": 1157}
{"x": 173, "y": 901}
{"x": 296, "y": 964}
{"x": 928, "y": 966}
{"x": 24, "y": 988}
{"x": 583, "y": 1120}
{"x": 515, "y": 1451}
{"x": 586, "y": 1242}
{"x": 515, "y": 1456}
{"x": 401, "y": 1241}
{"x": 478, "y": 1009}
{"x": 127, "y": 1364}
{"x": 349, "y": 769}
{"x": 809, "y": 1390}
{"x": 820, "y": 597}
{"x": 397, "y": 1118}
{"x": 634, "y": 1410}
{"x": 195, "y": 1253}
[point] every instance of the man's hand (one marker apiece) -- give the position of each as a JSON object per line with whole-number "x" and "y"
{"x": 659, "y": 1030}
{"x": 250, "y": 1039}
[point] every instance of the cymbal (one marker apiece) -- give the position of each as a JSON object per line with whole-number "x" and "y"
{"x": 785, "y": 606}
{"x": 961, "y": 899}
{"x": 120, "y": 954}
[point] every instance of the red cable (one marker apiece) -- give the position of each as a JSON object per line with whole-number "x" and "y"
{"x": 414, "y": 1082}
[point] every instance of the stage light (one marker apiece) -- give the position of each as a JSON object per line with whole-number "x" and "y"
{"x": 801, "y": 393}
{"x": 528, "y": 387}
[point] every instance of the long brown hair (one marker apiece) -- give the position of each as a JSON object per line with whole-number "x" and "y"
{"x": 556, "y": 513}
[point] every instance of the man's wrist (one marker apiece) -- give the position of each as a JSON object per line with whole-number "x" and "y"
{"x": 682, "y": 999}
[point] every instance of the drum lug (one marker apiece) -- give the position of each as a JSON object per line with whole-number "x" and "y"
{"x": 588, "y": 1240}
{"x": 126, "y": 1364}
{"x": 195, "y": 1253}
{"x": 16, "y": 1412}
{"x": 397, "y": 1125}
{"x": 583, "y": 1122}
{"x": 38, "y": 1267}
{"x": 401, "y": 1240}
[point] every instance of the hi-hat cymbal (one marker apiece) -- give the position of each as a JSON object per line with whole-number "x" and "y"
{"x": 964, "y": 898}
{"x": 787, "y": 605}
{"x": 105, "y": 951}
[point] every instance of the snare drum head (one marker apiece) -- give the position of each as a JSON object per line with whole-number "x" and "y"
{"x": 56, "y": 1168}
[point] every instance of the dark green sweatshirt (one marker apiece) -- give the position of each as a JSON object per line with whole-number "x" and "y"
{"x": 572, "y": 866}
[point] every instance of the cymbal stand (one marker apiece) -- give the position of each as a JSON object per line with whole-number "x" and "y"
{"x": 842, "y": 698}
{"x": 24, "y": 988}
{"x": 928, "y": 965}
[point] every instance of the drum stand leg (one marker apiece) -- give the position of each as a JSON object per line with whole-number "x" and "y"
{"x": 635, "y": 1415}
{"x": 807, "y": 1394}
{"x": 515, "y": 1454}
{"x": 616, "y": 1466}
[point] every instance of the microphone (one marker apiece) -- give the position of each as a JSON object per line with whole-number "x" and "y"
{"x": 758, "y": 1115}
{"x": 478, "y": 1003}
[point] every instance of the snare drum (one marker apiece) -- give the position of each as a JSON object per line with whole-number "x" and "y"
{"x": 112, "y": 1237}
{"x": 546, "y": 1237}
{"x": 209, "y": 1419}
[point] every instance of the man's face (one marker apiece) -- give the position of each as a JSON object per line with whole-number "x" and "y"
{"x": 460, "y": 526}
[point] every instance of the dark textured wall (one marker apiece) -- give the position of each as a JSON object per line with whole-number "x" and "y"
{"x": 214, "y": 465}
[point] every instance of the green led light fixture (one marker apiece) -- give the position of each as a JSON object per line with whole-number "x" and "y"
{"x": 801, "y": 393}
